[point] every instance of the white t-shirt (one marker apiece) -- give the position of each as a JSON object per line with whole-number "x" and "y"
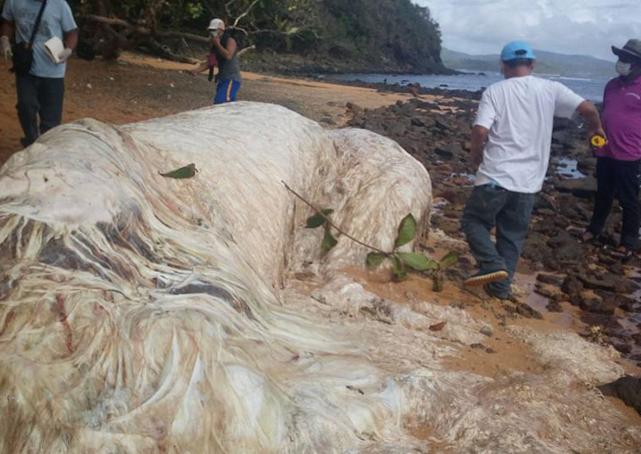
{"x": 519, "y": 113}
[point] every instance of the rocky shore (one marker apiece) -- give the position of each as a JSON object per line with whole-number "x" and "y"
{"x": 591, "y": 277}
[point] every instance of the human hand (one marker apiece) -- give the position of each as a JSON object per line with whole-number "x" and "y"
{"x": 5, "y": 47}
{"x": 64, "y": 55}
{"x": 594, "y": 136}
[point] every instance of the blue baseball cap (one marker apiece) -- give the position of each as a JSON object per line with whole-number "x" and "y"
{"x": 517, "y": 50}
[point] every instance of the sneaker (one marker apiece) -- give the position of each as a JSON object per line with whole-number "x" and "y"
{"x": 482, "y": 278}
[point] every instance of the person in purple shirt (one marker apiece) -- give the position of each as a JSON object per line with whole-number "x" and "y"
{"x": 619, "y": 162}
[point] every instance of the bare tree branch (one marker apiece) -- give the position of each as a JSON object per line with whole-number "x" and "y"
{"x": 136, "y": 29}
{"x": 247, "y": 11}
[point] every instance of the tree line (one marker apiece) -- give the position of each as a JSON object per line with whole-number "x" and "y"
{"x": 387, "y": 33}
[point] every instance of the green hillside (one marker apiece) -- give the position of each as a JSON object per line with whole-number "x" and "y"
{"x": 547, "y": 62}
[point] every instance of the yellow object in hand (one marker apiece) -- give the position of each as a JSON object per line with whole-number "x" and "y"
{"x": 598, "y": 141}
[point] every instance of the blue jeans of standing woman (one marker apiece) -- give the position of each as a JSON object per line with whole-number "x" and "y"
{"x": 492, "y": 206}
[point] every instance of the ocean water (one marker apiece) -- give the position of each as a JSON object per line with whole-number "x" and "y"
{"x": 588, "y": 88}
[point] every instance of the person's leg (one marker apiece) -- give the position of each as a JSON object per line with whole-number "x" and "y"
{"x": 512, "y": 224}
{"x": 627, "y": 186}
{"x": 224, "y": 89}
{"x": 606, "y": 184}
{"x": 50, "y": 97}
{"x": 478, "y": 220}
{"x": 27, "y": 106}
{"x": 233, "y": 93}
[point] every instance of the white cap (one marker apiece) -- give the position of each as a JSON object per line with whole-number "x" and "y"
{"x": 216, "y": 24}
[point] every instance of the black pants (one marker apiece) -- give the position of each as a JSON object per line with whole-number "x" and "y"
{"x": 39, "y": 105}
{"x": 620, "y": 179}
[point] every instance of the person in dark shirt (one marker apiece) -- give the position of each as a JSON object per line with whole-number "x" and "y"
{"x": 224, "y": 54}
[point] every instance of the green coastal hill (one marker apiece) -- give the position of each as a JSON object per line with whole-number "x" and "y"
{"x": 317, "y": 35}
{"x": 547, "y": 62}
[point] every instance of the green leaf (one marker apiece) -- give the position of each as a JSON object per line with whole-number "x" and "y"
{"x": 448, "y": 260}
{"x": 374, "y": 259}
{"x": 184, "y": 172}
{"x": 318, "y": 219}
{"x": 406, "y": 231}
{"x": 315, "y": 221}
{"x": 328, "y": 242}
{"x": 417, "y": 262}
{"x": 398, "y": 269}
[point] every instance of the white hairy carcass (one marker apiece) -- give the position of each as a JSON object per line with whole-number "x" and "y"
{"x": 144, "y": 314}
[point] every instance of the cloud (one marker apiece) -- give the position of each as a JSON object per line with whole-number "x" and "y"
{"x": 587, "y": 27}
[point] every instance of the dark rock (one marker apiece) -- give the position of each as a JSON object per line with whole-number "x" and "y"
{"x": 449, "y": 151}
{"x": 605, "y": 282}
{"x": 628, "y": 303}
{"x": 554, "y": 306}
{"x": 566, "y": 248}
{"x": 622, "y": 347}
{"x": 625, "y": 286}
{"x": 592, "y": 302}
{"x": 442, "y": 124}
{"x": 584, "y": 187}
{"x": 552, "y": 279}
{"x": 550, "y": 291}
{"x": 354, "y": 108}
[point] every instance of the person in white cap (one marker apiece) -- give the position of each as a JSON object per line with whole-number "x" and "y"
{"x": 39, "y": 74}
{"x": 224, "y": 54}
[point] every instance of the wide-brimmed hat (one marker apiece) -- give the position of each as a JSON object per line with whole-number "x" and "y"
{"x": 631, "y": 49}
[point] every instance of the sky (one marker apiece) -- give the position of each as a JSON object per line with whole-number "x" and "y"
{"x": 587, "y": 27}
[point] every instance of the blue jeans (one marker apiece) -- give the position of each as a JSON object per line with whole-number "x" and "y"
{"x": 226, "y": 91}
{"x": 492, "y": 206}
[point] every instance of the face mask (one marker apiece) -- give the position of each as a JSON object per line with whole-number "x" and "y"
{"x": 623, "y": 69}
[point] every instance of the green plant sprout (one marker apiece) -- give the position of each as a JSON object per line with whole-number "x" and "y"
{"x": 402, "y": 262}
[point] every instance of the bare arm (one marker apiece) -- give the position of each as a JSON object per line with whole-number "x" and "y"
{"x": 591, "y": 116}
{"x": 226, "y": 53}
{"x": 71, "y": 39}
{"x": 479, "y": 139}
{"x": 200, "y": 68}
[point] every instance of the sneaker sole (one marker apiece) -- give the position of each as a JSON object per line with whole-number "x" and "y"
{"x": 486, "y": 278}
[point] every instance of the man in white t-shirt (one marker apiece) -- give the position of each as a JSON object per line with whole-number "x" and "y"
{"x": 511, "y": 142}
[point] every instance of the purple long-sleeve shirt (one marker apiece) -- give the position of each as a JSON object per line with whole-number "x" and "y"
{"x": 622, "y": 120}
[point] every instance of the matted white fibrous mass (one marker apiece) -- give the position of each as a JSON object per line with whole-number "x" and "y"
{"x": 146, "y": 314}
